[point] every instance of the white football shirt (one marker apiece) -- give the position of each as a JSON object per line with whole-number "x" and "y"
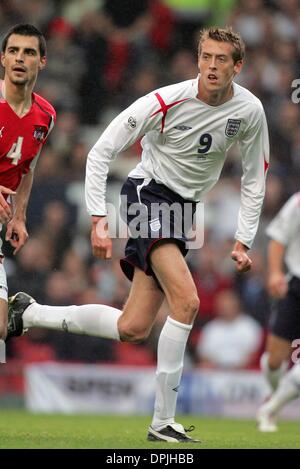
{"x": 285, "y": 228}
{"x": 184, "y": 147}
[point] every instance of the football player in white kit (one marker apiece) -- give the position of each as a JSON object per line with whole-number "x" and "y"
{"x": 188, "y": 128}
{"x": 284, "y": 232}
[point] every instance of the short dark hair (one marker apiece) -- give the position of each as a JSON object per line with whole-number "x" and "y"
{"x": 26, "y": 30}
{"x": 224, "y": 35}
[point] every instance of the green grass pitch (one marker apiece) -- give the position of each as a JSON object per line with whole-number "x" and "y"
{"x": 19, "y": 429}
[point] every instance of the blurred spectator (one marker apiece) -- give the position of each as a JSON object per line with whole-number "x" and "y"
{"x": 75, "y": 10}
{"x": 128, "y": 26}
{"x": 55, "y": 230}
{"x": 111, "y": 283}
{"x": 35, "y": 261}
{"x": 66, "y": 132}
{"x": 253, "y": 291}
{"x": 251, "y": 25}
{"x": 50, "y": 184}
{"x": 284, "y": 20}
{"x": 183, "y": 66}
{"x": 59, "y": 291}
{"x": 75, "y": 270}
{"x": 91, "y": 38}
{"x": 190, "y": 16}
{"x": 233, "y": 339}
{"x": 287, "y": 119}
{"x": 65, "y": 63}
{"x": 37, "y": 12}
{"x": 209, "y": 282}
{"x": 144, "y": 80}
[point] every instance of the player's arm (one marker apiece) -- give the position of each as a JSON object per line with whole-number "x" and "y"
{"x": 16, "y": 232}
{"x": 240, "y": 256}
{"x": 100, "y": 240}
{"x": 254, "y": 146}
{"x": 121, "y": 133}
{"x": 277, "y": 282}
{"x": 5, "y": 208}
{"x": 281, "y": 230}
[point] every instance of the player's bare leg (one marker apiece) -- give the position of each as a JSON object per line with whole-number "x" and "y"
{"x": 288, "y": 389}
{"x": 3, "y": 328}
{"x": 141, "y": 308}
{"x": 179, "y": 288}
{"x": 3, "y": 301}
{"x": 135, "y": 323}
{"x": 132, "y": 324}
{"x": 3, "y": 311}
{"x": 3, "y": 318}
{"x": 274, "y": 364}
{"x": 275, "y": 360}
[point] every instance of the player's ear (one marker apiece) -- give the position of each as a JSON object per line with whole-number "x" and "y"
{"x": 43, "y": 62}
{"x": 2, "y": 59}
{"x": 199, "y": 63}
{"x": 238, "y": 67}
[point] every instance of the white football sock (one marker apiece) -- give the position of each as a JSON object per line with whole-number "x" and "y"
{"x": 95, "y": 320}
{"x": 272, "y": 376}
{"x": 288, "y": 389}
{"x": 2, "y": 351}
{"x": 170, "y": 354}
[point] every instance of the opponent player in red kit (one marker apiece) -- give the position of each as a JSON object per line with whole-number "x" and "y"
{"x": 25, "y": 122}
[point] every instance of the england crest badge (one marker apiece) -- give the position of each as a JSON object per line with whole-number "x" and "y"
{"x": 232, "y": 127}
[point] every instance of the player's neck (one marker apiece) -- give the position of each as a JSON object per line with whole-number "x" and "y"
{"x": 215, "y": 98}
{"x": 18, "y": 97}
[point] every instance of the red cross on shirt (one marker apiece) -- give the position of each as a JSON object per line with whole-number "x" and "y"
{"x": 164, "y": 109}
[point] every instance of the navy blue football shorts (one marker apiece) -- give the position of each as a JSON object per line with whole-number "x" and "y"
{"x": 153, "y": 214}
{"x": 285, "y": 316}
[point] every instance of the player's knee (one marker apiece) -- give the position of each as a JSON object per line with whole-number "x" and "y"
{"x": 3, "y": 331}
{"x": 131, "y": 333}
{"x": 278, "y": 352}
{"x": 192, "y": 306}
{"x": 275, "y": 361}
{"x": 186, "y": 308}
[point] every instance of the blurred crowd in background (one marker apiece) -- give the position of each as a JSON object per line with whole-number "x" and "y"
{"x": 102, "y": 55}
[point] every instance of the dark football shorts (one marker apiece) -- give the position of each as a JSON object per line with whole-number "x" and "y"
{"x": 285, "y": 316}
{"x": 145, "y": 208}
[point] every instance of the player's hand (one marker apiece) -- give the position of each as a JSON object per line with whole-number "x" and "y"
{"x": 16, "y": 234}
{"x": 5, "y": 209}
{"x": 240, "y": 256}
{"x": 277, "y": 285}
{"x": 100, "y": 240}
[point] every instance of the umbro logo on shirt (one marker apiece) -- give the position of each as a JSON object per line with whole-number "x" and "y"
{"x": 182, "y": 127}
{"x": 155, "y": 224}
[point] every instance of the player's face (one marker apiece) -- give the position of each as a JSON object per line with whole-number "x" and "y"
{"x": 22, "y": 60}
{"x": 216, "y": 65}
